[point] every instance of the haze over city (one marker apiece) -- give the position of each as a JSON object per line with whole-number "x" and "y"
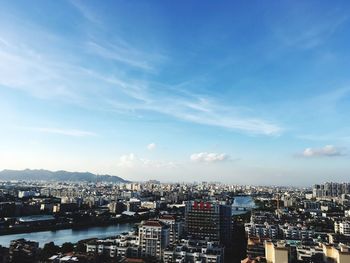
{"x": 233, "y": 91}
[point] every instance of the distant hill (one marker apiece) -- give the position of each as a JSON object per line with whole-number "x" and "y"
{"x": 45, "y": 175}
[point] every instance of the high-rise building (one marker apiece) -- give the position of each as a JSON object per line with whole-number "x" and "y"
{"x": 175, "y": 227}
{"x": 209, "y": 220}
{"x": 154, "y": 238}
{"x": 331, "y": 189}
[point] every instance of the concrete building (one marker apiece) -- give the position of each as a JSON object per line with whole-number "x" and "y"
{"x": 342, "y": 228}
{"x": 347, "y": 213}
{"x": 175, "y": 227}
{"x": 194, "y": 251}
{"x": 255, "y": 247}
{"x": 154, "y": 238}
{"x": 24, "y": 194}
{"x": 331, "y": 189}
{"x": 262, "y": 230}
{"x": 124, "y": 245}
{"x": 253, "y": 260}
{"x": 334, "y": 254}
{"x": 277, "y": 253}
{"x": 312, "y": 253}
{"x": 133, "y": 205}
{"x": 310, "y": 205}
{"x": 208, "y": 220}
{"x": 296, "y": 232}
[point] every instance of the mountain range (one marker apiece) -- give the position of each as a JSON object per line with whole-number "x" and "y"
{"x": 46, "y": 175}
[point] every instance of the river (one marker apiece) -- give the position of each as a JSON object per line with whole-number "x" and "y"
{"x": 242, "y": 205}
{"x": 68, "y": 235}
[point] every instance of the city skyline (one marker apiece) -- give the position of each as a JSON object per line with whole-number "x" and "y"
{"x": 237, "y": 92}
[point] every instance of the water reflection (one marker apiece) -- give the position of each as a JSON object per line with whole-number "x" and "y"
{"x": 68, "y": 235}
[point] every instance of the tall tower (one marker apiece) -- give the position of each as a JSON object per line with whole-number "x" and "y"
{"x": 208, "y": 220}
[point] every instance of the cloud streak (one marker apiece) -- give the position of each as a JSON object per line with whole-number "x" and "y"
{"x": 85, "y": 11}
{"x": 305, "y": 31}
{"x": 66, "y": 132}
{"x": 123, "y": 54}
{"x": 52, "y": 75}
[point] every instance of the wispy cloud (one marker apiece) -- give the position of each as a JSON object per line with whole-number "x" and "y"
{"x": 33, "y": 72}
{"x": 337, "y": 136}
{"x": 194, "y": 108}
{"x": 4, "y": 42}
{"x": 248, "y": 125}
{"x": 45, "y": 80}
{"x": 66, "y": 132}
{"x": 326, "y": 151}
{"x": 212, "y": 113}
{"x": 304, "y": 32}
{"x": 124, "y": 54}
{"x": 85, "y": 11}
{"x": 52, "y": 75}
{"x": 329, "y": 101}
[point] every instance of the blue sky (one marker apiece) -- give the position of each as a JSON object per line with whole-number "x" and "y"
{"x": 236, "y": 91}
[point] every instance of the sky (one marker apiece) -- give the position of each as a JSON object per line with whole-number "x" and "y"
{"x": 242, "y": 92}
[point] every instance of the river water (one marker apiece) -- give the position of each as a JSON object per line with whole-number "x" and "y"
{"x": 68, "y": 235}
{"x": 242, "y": 202}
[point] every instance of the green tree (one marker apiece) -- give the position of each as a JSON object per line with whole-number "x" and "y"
{"x": 80, "y": 247}
{"x": 67, "y": 247}
{"x": 48, "y": 250}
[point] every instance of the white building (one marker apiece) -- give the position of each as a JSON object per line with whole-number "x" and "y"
{"x": 175, "y": 227}
{"x": 261, "y": 230}
{"x": 194, "y": 251}
{"x": 23, "y": 194}
{"x": 342, "y": 228}
{"x": 124, "y": 245}
{"x": 154, "y": 238}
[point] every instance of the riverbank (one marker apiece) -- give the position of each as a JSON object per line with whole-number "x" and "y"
{"x": 69, "y": 235}
{"x": 26, "y": 229}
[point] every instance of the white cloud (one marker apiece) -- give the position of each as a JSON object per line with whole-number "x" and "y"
{"x": 209, "y": 157}
{"x": 127, "y": 160}
{"x": 152, "y": 146}
{"x": 132, "y": 161}
{"x": 328, "y": 150}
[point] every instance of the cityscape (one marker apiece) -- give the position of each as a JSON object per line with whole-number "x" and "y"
{"x": 162, "y": 131}
{"x": 159, "y": 222}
